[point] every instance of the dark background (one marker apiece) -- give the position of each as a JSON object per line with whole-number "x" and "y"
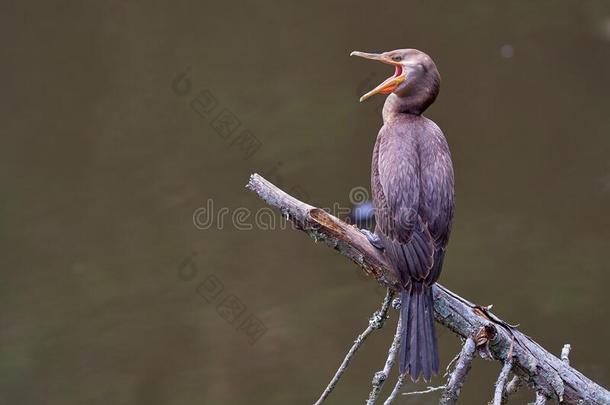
{"x": 103, "y": 163}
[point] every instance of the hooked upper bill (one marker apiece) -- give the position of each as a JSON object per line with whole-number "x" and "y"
{"x": 391, "y": 83}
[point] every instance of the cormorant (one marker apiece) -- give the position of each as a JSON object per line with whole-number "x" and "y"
{"x": 412, "y": 187}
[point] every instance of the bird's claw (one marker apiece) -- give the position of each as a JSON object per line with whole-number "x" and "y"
{"x": 373, "y": 239}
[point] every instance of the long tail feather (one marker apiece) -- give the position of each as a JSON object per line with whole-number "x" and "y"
{"x": 418, "y": 348}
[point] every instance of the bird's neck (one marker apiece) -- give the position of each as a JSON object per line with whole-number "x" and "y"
{"x": 395, "y": 106}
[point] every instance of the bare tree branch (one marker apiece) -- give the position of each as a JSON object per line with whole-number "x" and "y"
{"x": 539, "y": 368}
{"x": 503, "y": 377}
{"x": 513, "y": 386}
{"x": 396, "y": 390}
{"x": 380, "y": 376}
{"x": 376, "y": 322}
{"x": 457, "y": 377}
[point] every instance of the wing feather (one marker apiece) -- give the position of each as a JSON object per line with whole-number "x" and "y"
{"x": 396, "y": 188}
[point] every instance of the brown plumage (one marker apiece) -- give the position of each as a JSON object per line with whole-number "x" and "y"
{"x": 412, "y": 185}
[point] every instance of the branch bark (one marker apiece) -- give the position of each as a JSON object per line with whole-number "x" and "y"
{"x": 513, "y": 386}
{"x": 502, "y": 378}
{"x": 381, "y": 376}
{"x": 458, "y": 376}
{"x": 550, "y": 376}
{"x": 399, "y": 383}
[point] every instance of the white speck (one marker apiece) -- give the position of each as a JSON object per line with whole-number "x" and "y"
{"x": 507, "y": 51}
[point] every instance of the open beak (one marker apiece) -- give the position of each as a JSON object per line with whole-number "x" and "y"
{"x": 391, "y": 83}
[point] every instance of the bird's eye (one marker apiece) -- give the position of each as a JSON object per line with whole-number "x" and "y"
{"x": 396, "y": 58}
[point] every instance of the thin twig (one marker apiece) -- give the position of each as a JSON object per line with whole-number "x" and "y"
{"x": 501, "y": 382}
{"x": 429, "y": 390}
{"x": 381, "y": 376}
{"x": 503, "y": 377}
{"x": 565, "y": 353}
{"x": 453, "y": 360}
{"x": 456, "y": 380}
{"x": 513, "y": 386}
{"x": 376, "y": 322}
{"x": 396, "y": 390}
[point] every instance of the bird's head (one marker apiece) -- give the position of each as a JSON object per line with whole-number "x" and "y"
{"x": 415, "y": 75}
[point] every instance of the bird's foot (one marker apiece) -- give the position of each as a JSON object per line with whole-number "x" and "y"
{"x": 373, "y": 239}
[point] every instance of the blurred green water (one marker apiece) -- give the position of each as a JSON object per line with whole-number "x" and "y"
{"x": 103, "y": 164}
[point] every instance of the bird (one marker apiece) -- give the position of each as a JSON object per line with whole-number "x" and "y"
{"x": 412, "y": 186}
